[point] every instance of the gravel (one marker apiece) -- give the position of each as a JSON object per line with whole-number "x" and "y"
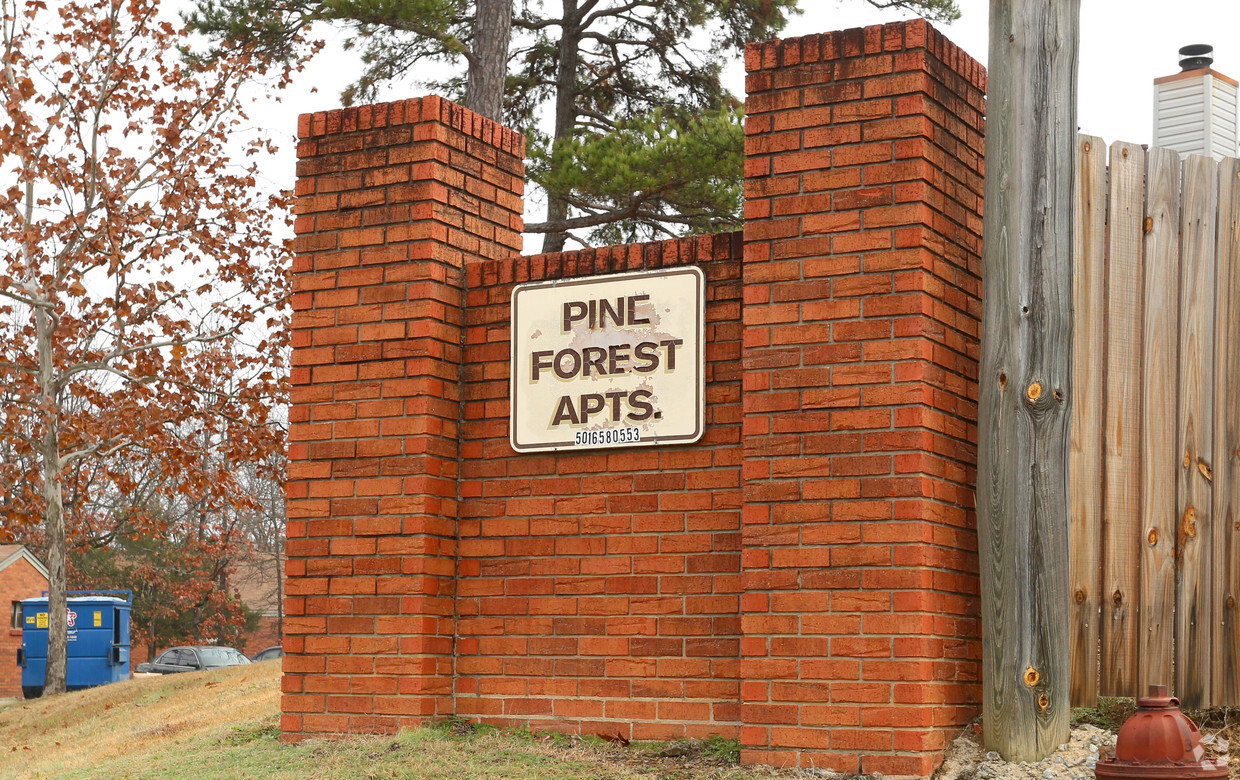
{"x": 1073, "y": 761}
{"x": 967, "y": 759}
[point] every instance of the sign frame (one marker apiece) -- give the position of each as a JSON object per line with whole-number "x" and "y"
{"x": 519, "y": 349}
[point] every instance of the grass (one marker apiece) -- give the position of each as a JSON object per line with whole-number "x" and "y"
{"x": 1109, "y": 714}
{"x": 224, "y": 724}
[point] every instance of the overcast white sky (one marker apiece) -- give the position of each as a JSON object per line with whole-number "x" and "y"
{"x": 1125, "y": 45}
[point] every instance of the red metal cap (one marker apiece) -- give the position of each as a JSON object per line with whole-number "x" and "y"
{"x": 1161, "y": 742}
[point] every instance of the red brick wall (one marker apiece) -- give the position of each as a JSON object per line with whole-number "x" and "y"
{"x": 803, "y": 578}
{"x": 601, "y": 590}
{"x": 393, "y": 200}
{"x": 862, "y": 283}
{"x": 18, "y": 581}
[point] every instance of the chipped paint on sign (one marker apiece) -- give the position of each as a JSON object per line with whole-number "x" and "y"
{"x": 608, "y": 361}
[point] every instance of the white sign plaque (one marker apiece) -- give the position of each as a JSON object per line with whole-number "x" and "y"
{"x": 609, "y": 361}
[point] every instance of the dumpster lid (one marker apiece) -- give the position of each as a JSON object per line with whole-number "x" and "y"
{"x": 79, "y": 599}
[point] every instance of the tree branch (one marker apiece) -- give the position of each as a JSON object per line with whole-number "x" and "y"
{"x": 31, "y": 302}
{"x": 618, "y": 11}
{"x": 592, "y": 220}
{"x": 103, "y": 449}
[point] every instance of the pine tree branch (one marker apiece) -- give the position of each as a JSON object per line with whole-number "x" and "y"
{"x": 619, "y": 11}
{"x": 590, "y": 220}
{"x": 525, "y": 24}
{"x": 614, "y": 41}
{"x": 935, "y": 10}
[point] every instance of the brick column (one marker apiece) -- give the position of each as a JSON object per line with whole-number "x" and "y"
{"x": 394, "y": 200}
{"x": 861, "y": 290}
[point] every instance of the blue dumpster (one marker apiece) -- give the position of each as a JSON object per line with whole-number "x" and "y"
{"x": 98, "y": 647}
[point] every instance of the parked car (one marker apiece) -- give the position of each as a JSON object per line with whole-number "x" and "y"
{"x": 192, "y": 659}
{"x": 267, "y": 654}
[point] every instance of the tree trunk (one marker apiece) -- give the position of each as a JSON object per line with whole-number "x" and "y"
{"x": 565, "y": 111}
{"x": 484, "y": 89}
{"x": 1025, "y": 388}
{"x": 53, "y": 512}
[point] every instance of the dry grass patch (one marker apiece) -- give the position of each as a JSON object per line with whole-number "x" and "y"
{"x": 96, "y": 727}
{"x": 224, "y": 724}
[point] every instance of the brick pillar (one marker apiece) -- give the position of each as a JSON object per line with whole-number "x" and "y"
{"x": 861, "y": 289}
{"x": 394, "y": 201}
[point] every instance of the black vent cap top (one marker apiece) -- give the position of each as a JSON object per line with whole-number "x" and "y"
{"x": 1196, "y": 56}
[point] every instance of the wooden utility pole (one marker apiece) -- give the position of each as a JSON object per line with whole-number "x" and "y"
{"x": 1026, "y": 375}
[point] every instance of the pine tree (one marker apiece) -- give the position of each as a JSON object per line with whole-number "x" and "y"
{"x": 633, "y": 88}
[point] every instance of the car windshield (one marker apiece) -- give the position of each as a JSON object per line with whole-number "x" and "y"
{"x": 221, "y": 656}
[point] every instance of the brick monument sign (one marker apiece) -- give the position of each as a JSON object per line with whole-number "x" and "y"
{"x": 801, "y": 577}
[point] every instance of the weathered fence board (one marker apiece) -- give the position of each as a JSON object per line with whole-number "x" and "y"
{"x": 1121, "y": 509}
{"x": 1158, "y": 415}
{"x": 1156, "y": 571}
{"x": 1226, "y": 661}
{"x": 1195, "y": 443}
{"x": 1085, "y": 457}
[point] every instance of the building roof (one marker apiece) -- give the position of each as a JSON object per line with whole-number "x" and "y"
{"x": 1196, "y": 74}
{"x": 11, "y": 553}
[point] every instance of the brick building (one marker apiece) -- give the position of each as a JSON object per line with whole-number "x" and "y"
{"x": 803, "y": 578}
{"x": 22, "y": 576}
{"x": 256, "y": 577}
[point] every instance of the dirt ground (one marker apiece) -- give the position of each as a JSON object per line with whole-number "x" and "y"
{"x": 967, "y": 759}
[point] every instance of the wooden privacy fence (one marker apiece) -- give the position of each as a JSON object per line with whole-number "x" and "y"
{"x": 1155, "y": 454}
